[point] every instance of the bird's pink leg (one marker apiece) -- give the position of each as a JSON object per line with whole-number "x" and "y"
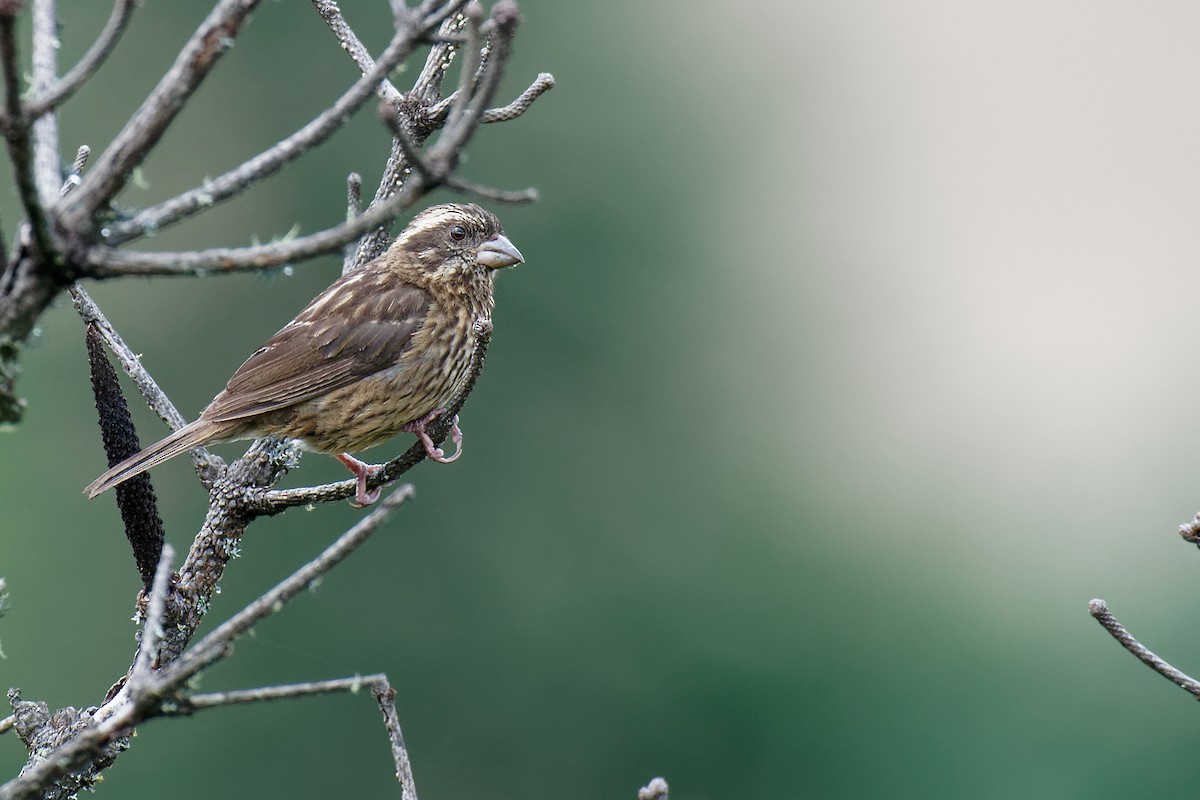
{"x": 418, "y": 427}
{"x": 362, "y": 470}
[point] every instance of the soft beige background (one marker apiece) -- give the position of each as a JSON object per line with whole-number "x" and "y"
{"x": 854, "y": 354}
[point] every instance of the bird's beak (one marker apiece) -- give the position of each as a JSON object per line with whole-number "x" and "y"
{"x": 498, "y": 252}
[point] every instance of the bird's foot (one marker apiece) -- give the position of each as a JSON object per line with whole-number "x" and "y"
{"x": 431, "y": 450}
{"x": 362, "y": 470}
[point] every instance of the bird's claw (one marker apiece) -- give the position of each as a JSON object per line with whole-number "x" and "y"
{"x": 363, "y": 496}
{"x": 432, "y": 450}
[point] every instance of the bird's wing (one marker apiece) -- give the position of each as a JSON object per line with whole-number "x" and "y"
{"x": 330, "y": 344}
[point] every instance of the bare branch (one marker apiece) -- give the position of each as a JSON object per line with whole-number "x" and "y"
{"x": 20, "y": 147}
{"x": 353, "y": 209}
{"x": 88, "y": 65}
{"x": 380, "y": 688}
{"x": 1099, "y": 610}
{"x": 47, "y": 162}
{"x": 214, "y": 646}
{"x": 155, "y": 397}
{"x": 529, "y": 195}
{"x": 542, "y": 84}
{"x": 147, "y": 125}
{"x": 472, "y": 59}
{"x": 199, "y": 702}
{"x": 101, "y": 261}
{"x": 386, "y": 696}
{"x": 329, "y": 11}
{"x": 6, "y": 724}
{"x": 152, "y": 625}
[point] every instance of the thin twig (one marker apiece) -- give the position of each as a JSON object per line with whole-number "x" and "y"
{"x": 386, "y": 697}
{"x": 152, "y": 626}
{"x": 381, "y": 689}
{"x": 20, "y": 146}
{"x": 196, "y": 59}
{"x": 1099, "y": 610}
{"x": 353, "y": 209}
{"x": 543, "y": 83}
{"x": 88, "y": 65}
{"x": 214, "y": 646}
{"x": 515, "y": 196}
{"x": 199, "y": 702}
{"x": 155, "y": 397}
{"x": 103, "y": 262}
{"x": 329, "y": 11}
{"x": 472, "y": 58}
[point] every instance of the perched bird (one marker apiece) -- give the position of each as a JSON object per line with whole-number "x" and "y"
{"x": 382, "y": 351}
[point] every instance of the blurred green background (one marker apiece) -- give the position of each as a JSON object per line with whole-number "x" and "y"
{"x": 852, "y": 357}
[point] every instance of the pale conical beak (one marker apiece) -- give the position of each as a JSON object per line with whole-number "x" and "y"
{"x": 498, "y": 252}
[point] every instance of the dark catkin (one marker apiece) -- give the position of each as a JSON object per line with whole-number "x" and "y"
{"x": 135, "y": 498}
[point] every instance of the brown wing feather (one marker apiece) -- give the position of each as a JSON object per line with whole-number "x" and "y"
{"x": 330, "y": 344}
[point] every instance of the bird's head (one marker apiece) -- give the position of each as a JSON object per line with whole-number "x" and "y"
{"x": 453, "y": 243}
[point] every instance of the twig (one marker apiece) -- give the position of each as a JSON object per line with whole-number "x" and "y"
{"x": 353, "y": 209}
{"x": 199, "y": 702}
{"x": 542, "y": 84}
{"x": 155, "y": 397}
{"x": 1099, "y": 609}
{"x": 329, "y": 11}
{"x": 380, "y": 688}
{"x": 147, "y": 125}
{"x": 20, "y": 147}
{"x": 213, "y": 646}
{"x": 472, "y": 59}
{"x": 152, "y": 626}
{"x": 516, "y": 196}
{"x": 7, "y": 723}
{"x": 102, "y": 261}
{"x": 88, "y": 65}
{"x": 386, "y": 697}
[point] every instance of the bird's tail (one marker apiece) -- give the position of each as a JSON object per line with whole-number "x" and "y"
{"x": 191, "y": 435}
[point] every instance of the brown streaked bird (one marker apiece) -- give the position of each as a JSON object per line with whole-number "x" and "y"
{"x": 382, "y": 351}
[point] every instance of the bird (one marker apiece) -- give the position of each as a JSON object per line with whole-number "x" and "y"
{"x": 380, "y": 352}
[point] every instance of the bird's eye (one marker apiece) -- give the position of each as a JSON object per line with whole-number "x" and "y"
{"x": 458, "y": 233}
